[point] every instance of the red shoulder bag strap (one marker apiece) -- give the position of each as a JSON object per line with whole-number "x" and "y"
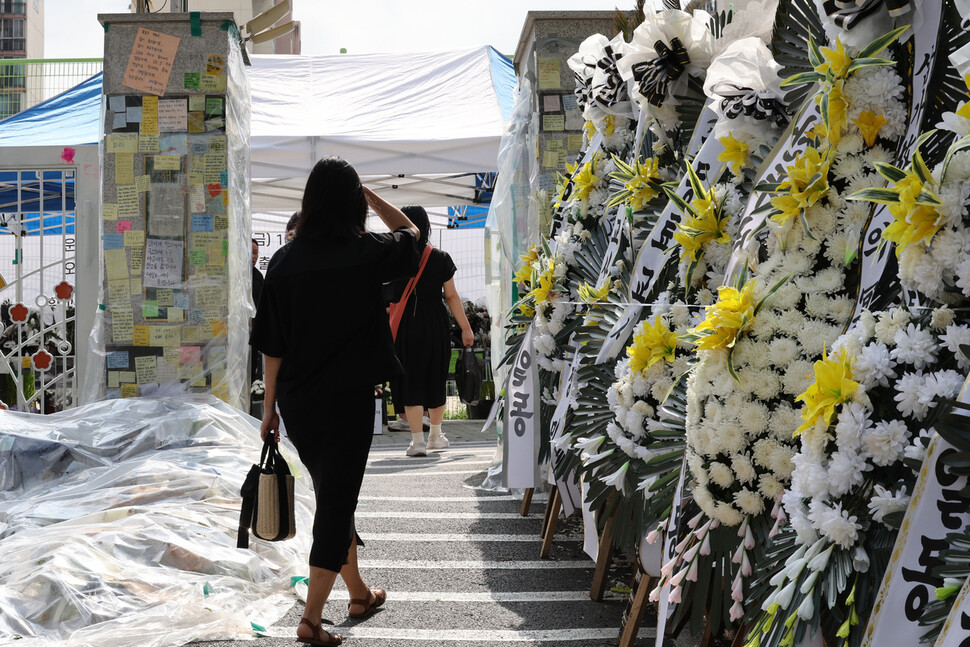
{"x": 397, "y": 308}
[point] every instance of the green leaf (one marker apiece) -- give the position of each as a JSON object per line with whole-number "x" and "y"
{"x": 805, "y": 228}
{"x": 768, "y": 187}
{"x": 679, "y": 202}
{"x": 956, "y": 147}
{"x": 730, "y": 366}
{"x": 802, "y": 78}
{"x": 861, "y": 63}
{"x": 890, "y": 172}
{"x": 814, "y": 53}
{"x": 881, "y": 43}
{"x": 919, "y": 167}
{"x": 695, "y": 183}
{"x": 882, "y": 196}
{"x": 775, "y": 288}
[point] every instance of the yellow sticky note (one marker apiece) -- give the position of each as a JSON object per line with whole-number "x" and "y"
{"x": 171, "y": 354}
{"x": 168, "y": 162}
{"x": 164, "y": 336}
{"x": 121, "y": 143}
{"x": 109, "y": 211}
{"x": 574, "y": 142}
{"x": 124, "y": 168}
{"x": 129, "y": 390}
{"x": 218, "y": 328}
{"x": 196, "y": 102}
{"x": 167, "y": 370}
{"x": 190, "y": 334}
{"x": 217, "y": 144}
{"x": 119, "y": 292}
{"x": 141, "y": 335}
{"x": 550, "y": 159}
{"x": 553, "y": 144}
{"x": 215, "y": 164}
{"x": 115, "y": 264}
{"x": 113, "y": 380}
{"x": 225, "y": 197}
{"x": 134, "y": 238}
{"x": 149, "y": 115}
{"x": 136, "y": 285}
{"x": 143, "y": 183}
{"x": 165, "y": 297}
{"x": 176, "y": 314}
{"x": 148, "y": 144}
{"x": 146, "y": 369}
{"x": 121, "y": 325}
{"x": 137, "y": 259}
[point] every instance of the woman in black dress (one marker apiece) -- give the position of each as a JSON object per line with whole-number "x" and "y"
{"x": 322, "y": 328}
{"x": 424, "y": 342}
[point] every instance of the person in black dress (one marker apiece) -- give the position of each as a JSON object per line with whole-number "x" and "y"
{"x": 424, "y": 342}
{"x": 322, "y": 328}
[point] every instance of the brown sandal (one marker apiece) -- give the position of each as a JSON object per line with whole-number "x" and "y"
{"x": 318, "y": 635}
{"x": 380, "y": 596}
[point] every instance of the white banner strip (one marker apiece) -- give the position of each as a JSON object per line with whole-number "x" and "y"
{"x": 521, "y": 441}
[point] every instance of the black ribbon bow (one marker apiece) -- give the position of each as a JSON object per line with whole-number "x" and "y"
{"x": 846, "y": 14}
{"x": 752, "y": 103}
{"x": 654, "y": 77}
{"x": 613, "y": 90}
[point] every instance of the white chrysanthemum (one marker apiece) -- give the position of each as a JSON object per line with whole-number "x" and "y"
{"x": 885, "y": 502}
{"x": 942, "y": 385}
{"x": 808, "y": 477}
{"x": 889, "y": 323}
{"x": 907, "y": 395}
{"x": 836, "y": 524}
{"x": 885, "y": 441}
{"x": 750, "y": 503}
{"x": 721, "y": 474}
{"x": 915, "y": 346}
{"x": 743, "y": 468}
{"x": 845, "y": 472}
{"x": 873, "y": 365}
{"x": 953, "y": 339}
{"x": 963, "y": 277}
{"x": 928, "y": 276}
{"x": 941, "y": 318}
{"x": 853, "y": 421}
{"x": 770, "y": 487}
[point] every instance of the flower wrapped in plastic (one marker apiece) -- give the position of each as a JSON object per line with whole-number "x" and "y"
{"x": 859, "y": 22}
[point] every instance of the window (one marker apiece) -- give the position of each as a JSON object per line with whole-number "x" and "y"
{"x": 9, "y": 104}
{"x": 12, "y": 35}
{"x": 11, "y": 74}
{"x": 13, "y": 7}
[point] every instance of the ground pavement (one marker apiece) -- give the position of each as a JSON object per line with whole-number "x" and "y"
{"x": 461, "y": 566}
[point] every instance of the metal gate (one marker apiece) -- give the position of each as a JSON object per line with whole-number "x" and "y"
{"x": 42, "y": 344}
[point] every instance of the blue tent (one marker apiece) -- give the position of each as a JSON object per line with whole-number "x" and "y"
{"x": 72, "y": 118}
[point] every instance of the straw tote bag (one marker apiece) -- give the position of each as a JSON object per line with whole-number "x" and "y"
{"x": 267, "y": 498}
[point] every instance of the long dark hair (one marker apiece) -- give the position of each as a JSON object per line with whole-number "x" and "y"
{"x": 419, "y": 217}
{"x": 334, "y": 205}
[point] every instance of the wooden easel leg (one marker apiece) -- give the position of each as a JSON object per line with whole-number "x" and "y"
{"x": 603, "y": 560}
{"x": 739, "y": 637}
{"x": 545, "y": 513}
{"x": 552, "y": 518}
{"x": 526, "y": 502}
{"x": 636, "y": 611}
{"x": 706, "y": 639}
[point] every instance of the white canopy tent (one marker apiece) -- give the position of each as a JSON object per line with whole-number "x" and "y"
{"x": 420, "y": 127}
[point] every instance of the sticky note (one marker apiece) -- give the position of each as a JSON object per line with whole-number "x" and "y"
{"x": 217, "y": 144}
{"x": 116, "y": 104}
{"x": 124, "y": 168}
{"x": 122, "y": 226}
{"x": 129, "y": 390}
{"x": 214, "y": 63}
{"x": 117, "y": 359}
{"x": 176, "y": 314}
{"x": 149, "y": 116}
{"x": 143, "y": 183}
{"x": 196, "y": 122}
{"x": 114, "y": 380}
{"x": 215, "y": 164}
{"x": 549, "y": 78}
{"x": 134, "y": 238}
{"x": 114, "y": 241}
{"x": 133, "y": 114}
{"x": 214, "y": 123}
{"x": 553, "y": 122}
{"x": 218, "y": 328}
{"x": 574, "y": 142}
{"x": 190, "y": 354}
{"x": 197, "y": 257}
{"x": 109, "y": 211}
{"x": 225, "y": 198}
{"x": 167, "y": 370}
{"x": 118, "y": 120}
{"x": 119, "y": 292}
{"x": 213, "y": 105}
{"x": 172, "y": 116}
{"x": 550, "y": 103}
{"x": 202, "y": 222}
{"x": 190, "y": 334}
{"x": 221, "y": 223}
{"x": 147, "y": 143}
{"x": 121, "y": 325}
{"x": 145, "y": 369}
{"x": 164, "y": 335}
{"x": 191, "y": 80}
{"x": 212, "y": 83}
{"x": 167, "y": 162}
{"x": 115, "y": 264}
{"x": 197, "y": 102}
{"x": 151, "y": 60}
{"x": 121, "y": 143}
{"x": 149, "y": 309}
{"x": 141, "y": 336}
{"x": 164, "y": 296}
{"x": 197, "y": 199}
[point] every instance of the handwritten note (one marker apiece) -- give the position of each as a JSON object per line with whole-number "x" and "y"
{"x": 167, "y": 162}
{"x": 117, "y": 359}
{"x": 197, "y": 201}
{"x": 553, "y": 122}
{"x": 172, "y": 116}
{"x": 121, "y": 143}
{"x": 150, "y": 62}
{"x": 129, "y": 390}
{"x": 149, "y": 116}
{"x": 119, "y": 292}
{"x": 163, "y": 263}
{"x": 124, "y": 168}
{"x": 148, "y": 144}
{"x": 214, "y": 64}
{"x": 164, "y": 336}
{"x": 197, "y": 102}
{"x": 143, "y": 183}
{"x": 115, "y": 264}
{"x": 146, "y": 369}
{"x": 122, "y": 322}
{"x": 141, "y": 336}
{"x": 109, "y": 211}
{"x": 196, "y": 122}
{"x": 549, "y": 74}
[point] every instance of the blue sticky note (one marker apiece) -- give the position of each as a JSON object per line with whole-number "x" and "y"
{"x": 224, "y": 178}
{"x": 181, "y": 300}
{"x": 114, "y": 241}
{"x": 118, "y": 359}
{"x": 202, "y": 222}
{"x": 196, "y": 317}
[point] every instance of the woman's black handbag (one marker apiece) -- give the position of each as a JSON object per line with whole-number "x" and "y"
{"x": 468, "y": 376}
{"x": 267, "y": 498}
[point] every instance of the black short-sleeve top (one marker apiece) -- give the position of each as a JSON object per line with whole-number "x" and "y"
{"x": 322, "y": 312}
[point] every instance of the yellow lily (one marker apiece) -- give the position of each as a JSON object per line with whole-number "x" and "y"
{"x": 591, "y": 295}
{"x": 832, "y": 387}
{"x": 836, "y": 61}
{"x": 541, "y": 293}
{"x": 705, "y": 224}
{"x": 869, "y": 124}
{"x": 735, "y": 153}
{"x": 655, "y": 343}
{"x": 643, "y": 185}
{"x": 807, "y": 182}
{"x": 524, "y": 273}
{"x": 727, "y": 319}
{"x": 586, "y": 179}
{"x": 838, "y": 112}
{"x": 912, "y": 222}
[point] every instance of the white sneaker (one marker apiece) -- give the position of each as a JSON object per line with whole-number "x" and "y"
{"x": 426, "y": 423}
{"x": 398, "y": 425}
{"x": 438, "y": 442}
{"x": 417, "y": 450}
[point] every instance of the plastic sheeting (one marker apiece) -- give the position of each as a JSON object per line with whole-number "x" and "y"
{"x": 176, "y": 270}
{"x": 118, "y": 526}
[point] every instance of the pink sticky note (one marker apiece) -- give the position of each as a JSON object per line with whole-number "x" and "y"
{"x": 189, "y": 354}
{"x": 68, "y": 154}
{"x": 122, "y": 226}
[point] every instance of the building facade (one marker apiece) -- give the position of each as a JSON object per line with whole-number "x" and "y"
{"x": 21, "y": 37}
